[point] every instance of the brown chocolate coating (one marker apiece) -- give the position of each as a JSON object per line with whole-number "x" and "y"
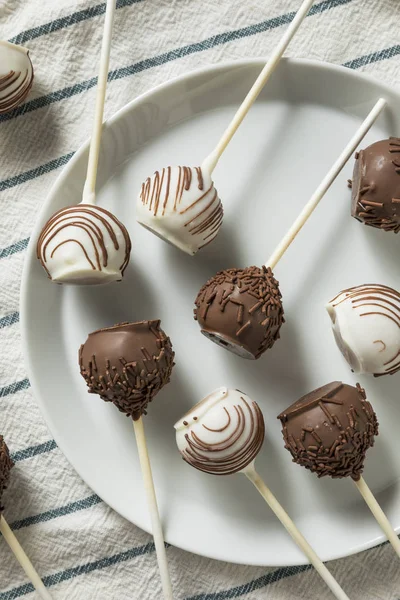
{"x": 127, "y": 364}
{"x": 376, "y": 185}
{"x": 241, "y": 310}
{"x": 330, "y": 430}
{"x": 6, "y": 465}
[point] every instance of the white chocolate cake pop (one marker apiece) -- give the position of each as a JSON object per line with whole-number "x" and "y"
{"x": 181, "y": 206}
{"x": 16, "y": 75}
{"x": 222, "y": 434}
{"x": 84, "y": 244}
{"x": 366, "y": 326}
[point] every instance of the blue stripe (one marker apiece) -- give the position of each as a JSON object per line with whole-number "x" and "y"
{"x": 6, "y": 184}
{"x": 15, "y": 387}
{"x": 207, "y": 44}
{"x": 368, "y": 59}
{"x": 67, "y": 21}
{"x": 8, "y": 320}
{"x": 33, "y": 451}
{"x": 256, "y": 584}
{"x": 57, "y": 512}
{"x": 17, "y": 247}
{"x": 74, "y": 572}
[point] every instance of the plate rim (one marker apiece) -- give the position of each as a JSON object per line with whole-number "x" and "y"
{"x": 211, "y": 69}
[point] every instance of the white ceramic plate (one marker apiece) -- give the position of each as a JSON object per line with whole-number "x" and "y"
{"x": 286, "y": 144}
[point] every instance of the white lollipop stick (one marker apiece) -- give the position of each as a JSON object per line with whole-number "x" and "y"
{"x": 89, "y": 191}
{"x": 153, "y": 508}
{"x": 211, "y": 161}
{"x": 291, "y": 528}
{"x": 325, "y": 184}
{"x": 379, "y": 515}
{"x": 23, "y": 560}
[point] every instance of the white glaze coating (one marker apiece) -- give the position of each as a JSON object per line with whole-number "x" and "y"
{"x": 16, "y": 75}
{"x": 84, "y": 244}
{"x": 366, "y": 326}
{"x": 222, "y": 434}
{"x": 181, "y": 206}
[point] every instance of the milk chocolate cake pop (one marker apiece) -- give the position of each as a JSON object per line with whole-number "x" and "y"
{"x": 376, "y": 185}
{"x": 181, "y": 206}
{"x": 16, "y": 76}
{"x": 241, "y": 310}
{"x": 6, "y": 465}
{"x": 329, "y": 430}
{"x": 84, "y": 244}
{"x": 366, "y": 326}
{"x": 127, "y": 364}
{"x": 222, "y": 434}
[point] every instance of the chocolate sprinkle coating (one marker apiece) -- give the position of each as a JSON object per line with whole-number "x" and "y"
{"x": 330, "y": 430}
{"x": 127, "y": 364}
{"x": 376, "y": 185}
{"x": 6, "y": 465}
{"x": 241, "y": 310}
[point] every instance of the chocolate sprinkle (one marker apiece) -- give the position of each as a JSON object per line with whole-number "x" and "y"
{"x": 127, "y": 364}
{"x": 241, "y": 310}
{"x": 341, "y": 420}
{"x": 6, "y": 465}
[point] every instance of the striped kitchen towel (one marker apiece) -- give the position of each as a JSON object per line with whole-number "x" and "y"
{"x": 82, "y": 548}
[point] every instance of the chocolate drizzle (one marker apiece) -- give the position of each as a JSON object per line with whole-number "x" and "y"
{"x": 127, "y": 364}
{"x": 14, "y": 87}
{"x": 329, "y": 430}
{"x": 233, "y": 450}
{"x": 241, "y": 310}
{"x": 374, "y": 299}
{"x": 99, "y": 226}
{"x": 376, "y": 185}
{"x": 6, "y": 465}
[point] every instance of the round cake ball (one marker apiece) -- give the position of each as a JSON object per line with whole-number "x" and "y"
{"x": 376, "y": 185}
{"x": 127, "y": 364}
{"x": 181, "y": 206}
{"x": 222, "y": 434}
{"x": 16, "y": 76}
{"x": 330, "y": 430}
{"x": 6, "y": 465}
{"x": 84, "y": 245}
{"x": 241, "y": 310}
{"x": 366, "y": 326}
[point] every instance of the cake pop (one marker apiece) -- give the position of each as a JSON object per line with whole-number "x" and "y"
{"x": 376, "y": 185}
{"x": 86, "y": 244}
{"x": 329, "y": 431}
{"x": 180, "y": 204}
{"x": 128, "y": 364}
{"x": 223, "y": 435}
{"x": 366, "y": 326}
{"x": 241, "y": 309}
{"x": 16, "y": 76}
{"x": 6, "y": 465}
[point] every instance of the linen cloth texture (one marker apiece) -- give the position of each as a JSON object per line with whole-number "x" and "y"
{"x": 81, "y": 547}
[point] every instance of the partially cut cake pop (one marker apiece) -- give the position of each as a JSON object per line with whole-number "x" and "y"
{"x": 329, "y": 430}
{"x": 222, "y": 434}
{"x": 376, "y": 185}
{"x": 16, "y": 76}
{"x": 366, "y": 326}
{"x": 6, "y": 465}
{"x": 127, "y": 364}
{"x": 84, "y": 244}
{"x": 181, "y": 206}
{"x": 241, "y": 310}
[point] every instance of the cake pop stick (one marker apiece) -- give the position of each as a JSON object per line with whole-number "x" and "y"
{"x": 6, "y": 465}
{"x": 128, "y": 364}
{"x": 86, "y": 244}
{"x": 222, "y": 435}
{"x": 16, "y": 76}
{"x": 241, "y": 309}
{"x": 180, "y": 204}
{"x": 329, "y": 431}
